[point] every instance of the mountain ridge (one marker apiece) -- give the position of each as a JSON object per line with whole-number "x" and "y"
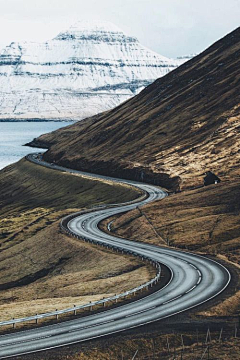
{"x": 90, "y": 68}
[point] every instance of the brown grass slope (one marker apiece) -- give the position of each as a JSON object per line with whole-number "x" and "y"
{"x": 180, "y": 126}
{"x": 41, "y": 269}
{"x": 205, "y": 220}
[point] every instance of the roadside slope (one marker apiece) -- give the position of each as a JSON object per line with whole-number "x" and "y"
{"x": 41, "y": 268}
{"x": 204, "y": 220}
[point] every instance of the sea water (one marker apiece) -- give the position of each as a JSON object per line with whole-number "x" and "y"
{"x": 13, "y": 135}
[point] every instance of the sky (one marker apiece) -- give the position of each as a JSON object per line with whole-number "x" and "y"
{"x": 170, "y": 27}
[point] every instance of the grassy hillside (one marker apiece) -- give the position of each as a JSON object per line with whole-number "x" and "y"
{"x": 41, "y": 269}
{"x": 203, "y": 220}
{"x": 172, "y": 132}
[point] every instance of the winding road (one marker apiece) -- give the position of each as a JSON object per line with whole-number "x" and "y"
{"x": 194, "y": 280}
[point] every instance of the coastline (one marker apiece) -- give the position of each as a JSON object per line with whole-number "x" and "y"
{"x": 15, "y": 136}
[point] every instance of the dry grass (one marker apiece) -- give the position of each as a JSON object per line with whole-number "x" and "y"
{"x": 42, "y": 269}
{"x": 205, "y": 220}
{"x": 150, "y": 347}
{"x": 230, "y": 306}
{"x": 32, "y": 197}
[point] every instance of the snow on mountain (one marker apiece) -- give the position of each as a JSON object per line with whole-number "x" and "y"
{"x": 90, "y": 68}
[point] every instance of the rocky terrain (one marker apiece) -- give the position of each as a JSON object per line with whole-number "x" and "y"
{"x": 175, "y": 130}
{"x": 91, "y": 67}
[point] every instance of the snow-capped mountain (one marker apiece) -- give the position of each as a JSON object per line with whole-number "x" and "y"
{"x": 85, "y": 70}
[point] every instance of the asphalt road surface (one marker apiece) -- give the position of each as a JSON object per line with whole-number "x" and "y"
{"x": 195, "y": 280}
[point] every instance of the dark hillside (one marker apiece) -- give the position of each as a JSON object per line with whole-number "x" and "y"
{"x": 181, "y": 126}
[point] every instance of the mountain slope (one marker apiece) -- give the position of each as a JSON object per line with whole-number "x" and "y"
{"x": 172, "y": 132}
{"x": 90, "y": 68}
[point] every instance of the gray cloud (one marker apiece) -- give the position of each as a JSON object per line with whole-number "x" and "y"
{"x": 170, "y": 27}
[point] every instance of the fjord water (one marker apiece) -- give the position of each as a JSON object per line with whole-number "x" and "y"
{"x": 13, "y": 135}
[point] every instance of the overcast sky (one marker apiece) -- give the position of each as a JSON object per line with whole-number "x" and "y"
{"x": 169, "y": 27}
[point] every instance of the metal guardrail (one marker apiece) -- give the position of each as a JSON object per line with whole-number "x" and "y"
{"x": 89, "y": 305}
{"x": 104, "y": 301}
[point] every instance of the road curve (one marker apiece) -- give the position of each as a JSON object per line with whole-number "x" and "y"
{"x": 195, "y": 280}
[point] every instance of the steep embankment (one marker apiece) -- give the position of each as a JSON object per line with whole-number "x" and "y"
{"x": 41, "y": 268}
{"x": 172, "y": 132}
